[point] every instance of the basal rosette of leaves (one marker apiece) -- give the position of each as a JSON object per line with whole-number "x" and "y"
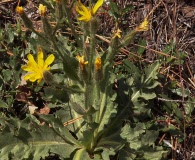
{"x": 90, "y": 123}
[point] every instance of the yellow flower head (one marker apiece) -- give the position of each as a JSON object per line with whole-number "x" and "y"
{"x": 98, "y": 63}
{"x": 87, "y": 13}
{"x": 42, "y": 9}
{"x": 117, "y": 33}
{"x": 19, "y": 10}
{"x": 35, "y": 69}
{"x": 143, "y": 26}
{"x": 82, "y": 62}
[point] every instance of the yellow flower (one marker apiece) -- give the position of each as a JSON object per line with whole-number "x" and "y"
{"x": 87, "y": 13}
{"x": 98, "y": 63}
{"x": 117, "y": 33}
{"x": 82, "y": 62}
{"x": 19, "y": 10}
{"x": 35, "y": 69}
{"x": 42, "y": 9}
{"x": 143, "y": 26}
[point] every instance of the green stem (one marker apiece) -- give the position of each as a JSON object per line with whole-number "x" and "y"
{"x": 89, "y": 82}
{"x": 91, "y": 52}
{"x": 56, "y": 47}
{"x": 70, "y": 23}
{"x": 39, "y": 35}
{"x": 56, "y": 27}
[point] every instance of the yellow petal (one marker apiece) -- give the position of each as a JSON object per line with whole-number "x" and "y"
{"x": 35, "y": 68}
{"x": 40, "y": 60}
{"x": 28, "y": 76}
{"x": 39, "y": 80}
{"x": 32, "y": 77}
{"x": 97, "y": 6}
{"x": 83, "y": 11}
{"x": 84, "y": 18}
{"x": 49, "y": 60}
{"x": 31, "y": 59}
{"x": 117, "y": 33}
{"x": 27, "y": 68}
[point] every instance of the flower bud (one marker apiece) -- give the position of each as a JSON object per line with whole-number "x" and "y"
{"x": 98, "y": 63}
{"x": 42, "y": 10}
{"x": 82, "y": 67}
{"x": 27, "y": 22}
{"x": 98, "y": 69}
{"x": 94, "y": 25}
{"x": 19, "y": 10}
{"x": 48, "y": 77}
{"x": 143, "y": 26}
{"x": 46, "y": 26}
{"x": 59, "y": 10}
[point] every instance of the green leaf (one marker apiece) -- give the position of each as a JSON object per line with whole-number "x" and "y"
{"x": 7, "y": 74}
{"x": 178, "y": 113}
{"x": 10, "y": 36}
{"x": 140, "y": 141}
{"x": 107, "y": 153}
{"x": 114, "y": 10}
{"x": 70, "y": 64}
{"x": 168, "y": 48}
{"x": 153, "y": 153}
{"x": 112, "y": 140}
{"x": 3, "y": 104}
{"x": 59, "y": 129}
{"x": 127, "y": 154}
{"x": 77, "y": 108}
{"x": 180, "y": 92}
{"x": 108, "y": 107}
{"x": 88, "y": 137}
{"x": 58, "y": 66}
{"x": 64, "y": 115}
{"x": 127, "y": 9}
{"x": 132, "y": 135}
{"x": 189, "y": 108}
{"x": 142, "y": 42}
{"x": 150, "y": 137}
{"x": 130, "y": 67}
{"x": 147, "y": 96}
{"x": 172, "y": 130}
{"x": 55, "y": 95}
{"x": 81, "y": 154}
{"x": 147, "y": 82}
{"x": 36, "y": 143}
